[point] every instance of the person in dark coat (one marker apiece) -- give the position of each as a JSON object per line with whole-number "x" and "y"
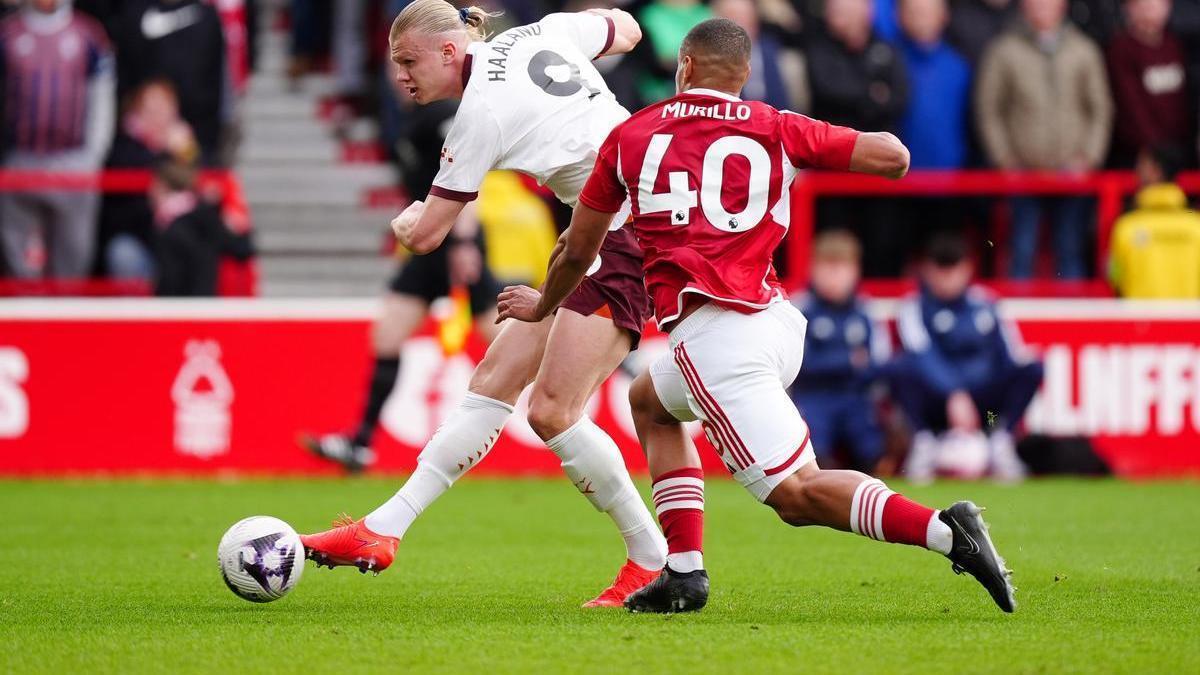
{"x": 192, "y": 238}
{"x": 182, "y": 42}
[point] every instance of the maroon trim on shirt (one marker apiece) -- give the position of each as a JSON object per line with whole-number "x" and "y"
{"x": 466, "y": 74}
{"x": 612, "y": 35}
{"x": 788, "y": 462}
{"x": 453, "y": 195}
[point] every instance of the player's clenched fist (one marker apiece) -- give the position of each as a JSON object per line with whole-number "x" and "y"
{"x": 404, "y": 224}
{"x": 520, "y": 303}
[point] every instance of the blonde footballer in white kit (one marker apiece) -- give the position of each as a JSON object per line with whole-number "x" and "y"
{"x": 531, "y": 101}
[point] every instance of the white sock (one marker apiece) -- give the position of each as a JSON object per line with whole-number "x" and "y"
{"x": 685, "y": 562}
{"x": 460, "y": 443}
{"x": 939, "y": 537}
{"x": 594, "y": 464}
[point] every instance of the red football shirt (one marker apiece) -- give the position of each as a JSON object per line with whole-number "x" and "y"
{"x": 708, "y": 176}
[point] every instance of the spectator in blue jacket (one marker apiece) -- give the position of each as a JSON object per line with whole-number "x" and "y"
{"x": 934, "y": 125}
{"x": 843, "y": 350}
{"x": 964, "y": 369}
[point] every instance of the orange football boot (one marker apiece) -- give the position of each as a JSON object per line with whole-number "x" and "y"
{"x": 350, "y": 543}
{"x": 632, "y": 577}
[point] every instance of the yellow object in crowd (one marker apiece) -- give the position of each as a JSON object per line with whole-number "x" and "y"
{"x": 1155, "y": 249}
{"x": 455, "y": 325}
{"x": 518, "y": 227}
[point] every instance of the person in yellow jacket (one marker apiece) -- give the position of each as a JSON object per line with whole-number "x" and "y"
{"x": 1155, "y": 249}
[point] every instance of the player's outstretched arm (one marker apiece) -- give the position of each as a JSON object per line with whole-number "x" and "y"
{"x": 579, "y": 246}
{"x": 423, "y": 226}
{"x": 627, "y": 34}
{"x": 881, "y": 154}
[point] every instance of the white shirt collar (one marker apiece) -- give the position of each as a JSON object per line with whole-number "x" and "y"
{"x": 699, "y": 91}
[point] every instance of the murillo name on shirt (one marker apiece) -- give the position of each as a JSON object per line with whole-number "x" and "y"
{"x": 720, "y": 111}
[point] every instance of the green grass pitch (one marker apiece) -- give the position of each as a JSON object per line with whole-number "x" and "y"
{"x": 120, "y": 576}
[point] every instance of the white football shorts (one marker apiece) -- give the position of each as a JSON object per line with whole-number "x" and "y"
{"x": 731, "y": 371}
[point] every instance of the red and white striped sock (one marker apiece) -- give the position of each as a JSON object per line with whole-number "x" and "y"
{"x": 679, "y": 504}
{"x": 879, "y": 513}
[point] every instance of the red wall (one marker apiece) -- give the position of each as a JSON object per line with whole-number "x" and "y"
{"x": 207, "y": 387}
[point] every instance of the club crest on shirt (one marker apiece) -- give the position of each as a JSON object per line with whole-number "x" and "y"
{"x": 447, "y": 156}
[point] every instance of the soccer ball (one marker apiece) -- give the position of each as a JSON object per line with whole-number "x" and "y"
{"x": 261, "y": 558}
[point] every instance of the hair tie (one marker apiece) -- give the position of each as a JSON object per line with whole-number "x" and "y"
{"x": 464, "y": 14}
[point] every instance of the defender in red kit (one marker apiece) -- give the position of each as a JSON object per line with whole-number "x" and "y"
{"x": 708, "y": 176}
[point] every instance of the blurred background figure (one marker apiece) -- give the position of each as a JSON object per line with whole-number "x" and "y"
{"x": 1156, "y": 247}
{"x": 457, "y": 268}
{"x": 192, "y": 238}
{"x": 843, "y": 352}
{"x": 964, "y": 371}
{"x": 56, "y": 68}
{"x": 778, "y": 76}
{"x": 181, "y": 41}
{"x": 150, "y": 132}
{"x": 934, "y": 125}
{"x": 310, "y": 36}
{"x": 1043, "y": 103}
{"x": 858, "y": 80}
{"x": 1147, "y": 65}
{"x": 664, "y": 23}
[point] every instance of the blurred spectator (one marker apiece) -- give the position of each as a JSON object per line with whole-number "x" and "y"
{"x": 1043, "y": 103}
{"x": 935, "y": 125}
{"x": 192, "y": 237}
{"x": 857, "y": 79}
{"x": 975, "y": 23}
{"x": 349, "y": 47}
{"x": 310, "y": 36}
{"x": 664, "y": 23}
{"x": 150, "y": 132}
{"x": 518, "y": 227}
{"x": 56, "y": 68}
{"x": 237, "y": 26}
{"x": 180, "y": 41}
{"x": 843, "y": 350}
{"x": 964, "y": 369}
{"x": 777, "y": 75}
{"x": 1156, "y": 247}
{"x": 1148, "y": 71}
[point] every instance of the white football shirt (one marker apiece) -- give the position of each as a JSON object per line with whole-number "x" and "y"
{"x": 533, "y": 103}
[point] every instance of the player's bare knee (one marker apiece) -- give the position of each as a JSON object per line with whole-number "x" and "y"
{"x": 550, "y": 415}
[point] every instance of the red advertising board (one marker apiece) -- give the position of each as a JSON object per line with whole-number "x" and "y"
{"x": 225, "y": 386}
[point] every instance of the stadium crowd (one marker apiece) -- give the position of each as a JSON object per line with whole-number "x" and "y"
{"x": 1063, "y": 86}
{"x": 123, "y": 85}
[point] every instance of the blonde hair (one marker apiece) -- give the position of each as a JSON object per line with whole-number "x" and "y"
{"x": 430, "y": 17}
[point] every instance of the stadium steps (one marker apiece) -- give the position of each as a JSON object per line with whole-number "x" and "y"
{"x": 315, "y": 234}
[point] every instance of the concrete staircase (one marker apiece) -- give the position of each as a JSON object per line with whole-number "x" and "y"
{"x": 315, "y": 235}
